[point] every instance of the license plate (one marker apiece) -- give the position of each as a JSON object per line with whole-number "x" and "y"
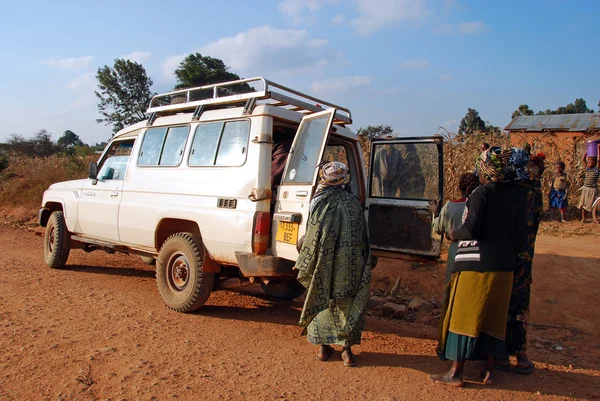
{"x": 287, "y": 232}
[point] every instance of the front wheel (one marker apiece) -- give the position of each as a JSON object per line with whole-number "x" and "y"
{"x": 182, "y": 283}
{"x": 285, "y": 289}
{"x": 57, "y": 241}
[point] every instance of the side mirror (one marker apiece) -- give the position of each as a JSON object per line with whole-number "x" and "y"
{"x": 93, "y": 171}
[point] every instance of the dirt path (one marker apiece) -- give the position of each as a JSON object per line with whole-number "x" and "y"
{"x": 99, "y": 330}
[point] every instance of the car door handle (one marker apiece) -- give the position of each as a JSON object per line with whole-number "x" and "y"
{"x": 114, "y": 194}
{"x": 302, "y": 193}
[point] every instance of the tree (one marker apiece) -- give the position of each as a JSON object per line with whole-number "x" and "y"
{"x": 198, "y": 70}
{"x": 69, "y": 139}
{"x": 471, "y": 123}
{"x": 124, "y": 94}
{"x": 580, "y": 106}
{"x": 41, "y": 145}
{"x": 523, "y": 110}
{"x": 375, "y": 131}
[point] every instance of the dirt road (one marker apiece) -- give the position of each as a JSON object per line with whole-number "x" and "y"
{"x": 99, "y": 330}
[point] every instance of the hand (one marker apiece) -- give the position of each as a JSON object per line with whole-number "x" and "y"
{"x": 434, "y": 206}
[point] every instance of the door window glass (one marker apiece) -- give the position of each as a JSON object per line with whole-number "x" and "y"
{"x": 116, "y": 159}
{"x": 306, "y": 151}
{"x": 405, "y": 171}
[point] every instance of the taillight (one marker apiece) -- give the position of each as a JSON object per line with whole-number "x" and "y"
{"x": 262, "y": 229}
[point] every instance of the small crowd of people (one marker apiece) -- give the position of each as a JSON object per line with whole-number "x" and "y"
{"x": 492, "y": 229}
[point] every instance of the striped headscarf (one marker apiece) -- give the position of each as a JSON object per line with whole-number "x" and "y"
{"x": 492, "y": 163}
{"x": 333, "y": 174}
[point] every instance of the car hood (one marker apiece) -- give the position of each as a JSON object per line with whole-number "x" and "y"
{"x": 73, "y": 184}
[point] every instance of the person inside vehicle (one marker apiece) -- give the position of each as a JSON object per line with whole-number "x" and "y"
{"x": 386, "y": 169}
{"x": 280, "y": 149}
{"x": 412, "y": 180}
{"x": 334, "y": 265}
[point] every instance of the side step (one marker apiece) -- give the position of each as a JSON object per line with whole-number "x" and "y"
{"x": 111, "y": 248}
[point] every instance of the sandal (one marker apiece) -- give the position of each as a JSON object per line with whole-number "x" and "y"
{"x": 324, "y": 353}
{"x": 350, "y": 362}
{"x": 527, "y": 370}
{"x": 445, "y": 378}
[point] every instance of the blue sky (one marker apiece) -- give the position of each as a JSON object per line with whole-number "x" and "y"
{"x": 413, "y": 64}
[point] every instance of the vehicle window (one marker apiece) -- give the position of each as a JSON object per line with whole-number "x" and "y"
{"x": 405, "y": 171}
{"x": 172, "y": 152}
{"x": 114, "y": 164}
{"x": 232, "y": 148}
{"x": 220, "y": 144}
{"x": 152, "y": 146}
{"x": 306, "y": 151}
{"x": 204, "y": 147}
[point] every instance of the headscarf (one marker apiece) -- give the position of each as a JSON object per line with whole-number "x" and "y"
{"x": 492, "y": 163}
{"x": 332, "y": 175}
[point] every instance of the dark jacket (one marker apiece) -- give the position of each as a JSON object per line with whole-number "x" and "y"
{"x": 496, "y": 220}
{"x": 279, "y": 155}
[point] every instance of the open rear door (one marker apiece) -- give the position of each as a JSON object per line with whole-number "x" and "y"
{"x": 404, "y": 175}
{"x": 299, "y": 178}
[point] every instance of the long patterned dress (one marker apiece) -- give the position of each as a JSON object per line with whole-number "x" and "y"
{"x": 518, "y": 312}
{"x": 335, "y": 266}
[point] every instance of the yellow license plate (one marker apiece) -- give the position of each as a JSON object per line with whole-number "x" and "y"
{"x": 287, "y": 232}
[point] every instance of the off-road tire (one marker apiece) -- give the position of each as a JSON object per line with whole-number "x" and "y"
{"x": 284, "y": 289}
{"x": 183, "y": 252}
{"x": 57, "y": 241}
{"x": 149, "y": 260}
{"x": 596, "y": 212}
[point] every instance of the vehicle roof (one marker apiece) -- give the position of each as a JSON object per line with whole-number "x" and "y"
{"x": 227, "y": 114}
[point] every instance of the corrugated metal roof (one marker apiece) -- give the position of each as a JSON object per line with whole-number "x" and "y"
{"x": 556, "y": 122}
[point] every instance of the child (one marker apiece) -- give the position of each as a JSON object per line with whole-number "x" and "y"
{"x": 450, "y": 217}
{"x": 590, "y": 184}
{"x": 558, "y": 193}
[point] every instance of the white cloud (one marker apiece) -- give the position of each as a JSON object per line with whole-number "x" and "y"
{"x": 338, "y": 19}
{"x": 265, "y": 51}
{"x": 415, "y": 64}
{"x": 295, "y": 11}
{"x": 446, "y": 77}
{"x": 74, "y": 63}
{"x": 137, "y": 56}
{"x": 463, "y": 27}
{"x": 375, "y": 14}
{"x": 83, "y": 88}
{"x": 339, "y": 85}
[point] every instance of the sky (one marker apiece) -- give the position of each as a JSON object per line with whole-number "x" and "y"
{"x": 413, "y": 64}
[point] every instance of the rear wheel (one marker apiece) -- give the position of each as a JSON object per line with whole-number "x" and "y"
{"x": 57, "y": 241}
{"x": 285, "y": 289}
{"x": 596, "y": 211}
{"x": 182, "y": 283}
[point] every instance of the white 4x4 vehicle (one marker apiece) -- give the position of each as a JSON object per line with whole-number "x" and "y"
{"x": 191, "y": 188}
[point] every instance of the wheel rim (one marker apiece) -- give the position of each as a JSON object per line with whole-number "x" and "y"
{"x": 51, "y": 240}
{"x": 178, "y": 271}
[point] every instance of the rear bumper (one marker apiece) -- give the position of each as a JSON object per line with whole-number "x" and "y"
{"x": 252, "y": 265}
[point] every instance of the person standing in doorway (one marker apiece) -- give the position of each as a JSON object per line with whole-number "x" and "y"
{"x": 334, "y": 265}
{"x": 589, "y": 193}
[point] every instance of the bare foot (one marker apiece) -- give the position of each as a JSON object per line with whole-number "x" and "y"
{"x": 447, "y": 379}
{"x": 486, "y": 376}
{"x": 324, "y": 353}
{"x": 348, "y": 357}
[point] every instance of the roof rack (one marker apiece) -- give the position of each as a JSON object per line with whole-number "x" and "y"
{"x": 224, "y": 94}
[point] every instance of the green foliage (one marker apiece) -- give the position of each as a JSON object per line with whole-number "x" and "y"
{"x": 522, "y": 110}
{"x": 471, "y": 123}
{"x": 124, "y": 94}
{"x": 198, "y": 70}
{"x": 4, "y": 163}
{"x": 375, "y": 131}
{"x": 69, "y": 139}
{"x": 580, "y": 106}
{"x": 41, "y": 145}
